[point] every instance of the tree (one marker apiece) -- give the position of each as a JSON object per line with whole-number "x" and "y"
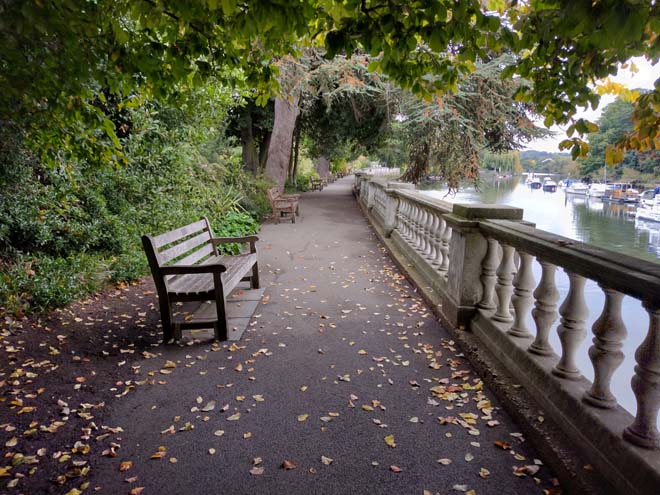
{"x": 55, "y": 86}
{"x": 613, "y": 125}
{"x": 448, "y": 133}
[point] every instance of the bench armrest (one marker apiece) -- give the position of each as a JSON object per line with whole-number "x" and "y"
{"x": 226, "y": 240}
{"x": 289, "y": 196}
{"x": 190, "y": 269}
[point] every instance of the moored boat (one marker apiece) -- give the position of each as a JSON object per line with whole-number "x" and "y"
{"x": 535, "y": 184}
{"x": 577, "y": 188}
{"x": 621, "y": 192}
{"x": 597, "y": 190}
{"x": 649, "y": 211}
{"x": 549, "y": 185}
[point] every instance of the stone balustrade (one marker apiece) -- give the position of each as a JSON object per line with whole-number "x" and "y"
{"x": 476, "y": 262}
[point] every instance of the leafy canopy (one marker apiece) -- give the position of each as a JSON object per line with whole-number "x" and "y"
{"x": 62, "y": 61}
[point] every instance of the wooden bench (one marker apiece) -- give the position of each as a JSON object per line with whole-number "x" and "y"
{"x": 187, "y": 266}
{"x": 284, "y": 205}
{"x": 316, "y": 184}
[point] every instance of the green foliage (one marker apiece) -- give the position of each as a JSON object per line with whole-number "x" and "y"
{"x": 445, "y": 135}
{"x": 616, "y": 122}
{"x": 67, "y": 94}
{"x": 67, "y": 230}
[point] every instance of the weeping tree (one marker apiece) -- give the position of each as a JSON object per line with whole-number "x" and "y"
{"x": 447, "y": 133}
{"x": 345, "y": 108}
{"x": 334, "y": 105}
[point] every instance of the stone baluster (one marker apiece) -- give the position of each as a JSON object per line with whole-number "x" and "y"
{"x": 428, "y": 224}
{"x": 605, "y": 353}
{"x": 420, "y": 229}
{"x": 442, "y": 225}
{"x": 406, "y": 220}
{"x": 523, "y": 284}
{"x": 433, "y": 228}
{"x": 646, "y": 385}
{"x": 504, "y": 286}
{"x": 572, "y": 327}
{"x": 446, "y": 238}
{"x": 544, "y": 313}
{"x": 413, "y": 225}
{"x": 423, "y": 230}
{"x": 488, "y": 277}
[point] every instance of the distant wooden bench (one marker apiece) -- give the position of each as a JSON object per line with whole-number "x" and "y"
{"x": 316, "y": 184}
{"x": 284, "y": 205}
{"x": 186, "y": 266}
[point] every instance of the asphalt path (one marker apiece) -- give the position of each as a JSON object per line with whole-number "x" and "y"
{"x": 344, "y": 383}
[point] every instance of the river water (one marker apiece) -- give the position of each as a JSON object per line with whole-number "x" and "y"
{"x": 607, "y": 225}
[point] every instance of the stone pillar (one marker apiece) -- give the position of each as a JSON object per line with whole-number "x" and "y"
{"x": 393, "y": 204}
{"x": 467, "y": 249}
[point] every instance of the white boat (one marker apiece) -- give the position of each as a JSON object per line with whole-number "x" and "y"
{"x": 651, "y": 213}
{"x": 597, "y": 190}
{"x": 577, "y": 188}
{"x": 549, "y": 185}
{"x": 646, "y": 197}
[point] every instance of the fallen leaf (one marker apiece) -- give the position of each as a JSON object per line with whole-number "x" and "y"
{"x": 219, "y": 433}
{"x": 444, "y": 461}
{"x": 395, "y": 469}
{"x": 257, "y": 471}
{"x": 137, "y": 491}
{"x": 288, "y": 465}
{"x": 234, "y": 417}
{"x": 389, "y": 440}
{"x": 125, "y": 466}
{"x": 211, "y": 451}
{"x": 326, "y": 460}
{"x": 303, "y": 417}
{"x": 209, "y": 407}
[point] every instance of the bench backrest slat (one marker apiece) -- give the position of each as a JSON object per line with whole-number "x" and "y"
{"x": 184, "y": 247}
{"x": 176, "y": 234}
{"x": 195, "y": 256}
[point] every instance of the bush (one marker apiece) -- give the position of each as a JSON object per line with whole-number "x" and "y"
{"x": 66, "y": 231}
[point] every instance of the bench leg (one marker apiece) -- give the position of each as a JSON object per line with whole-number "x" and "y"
{"x": 254, "y": 280}
{"x": 178, "y": 334}
{"x": 220, "y": 327}
{"x": 166, "y": 320}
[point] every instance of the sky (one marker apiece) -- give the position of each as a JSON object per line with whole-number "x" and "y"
{"x": 644, "y": 78}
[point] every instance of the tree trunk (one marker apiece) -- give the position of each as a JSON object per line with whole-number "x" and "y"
{"x": 296, "y": 154}
{"x": 250, "y": 157}
{"x": 263, "y": 150}
{"x": 279, "y": 150}
{"x": 323, "y": 166}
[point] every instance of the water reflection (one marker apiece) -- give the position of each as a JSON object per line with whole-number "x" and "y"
{"x": 607, "y": 225}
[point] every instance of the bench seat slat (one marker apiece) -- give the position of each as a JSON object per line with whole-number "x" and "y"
{"x": 237, "y": 268}
{"x": 171, "y": 236}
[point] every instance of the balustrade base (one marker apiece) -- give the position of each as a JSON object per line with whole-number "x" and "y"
{"x": 601, "y": 402}
{"x": 643, "y": 441}
{"x": 596, "y": 432}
